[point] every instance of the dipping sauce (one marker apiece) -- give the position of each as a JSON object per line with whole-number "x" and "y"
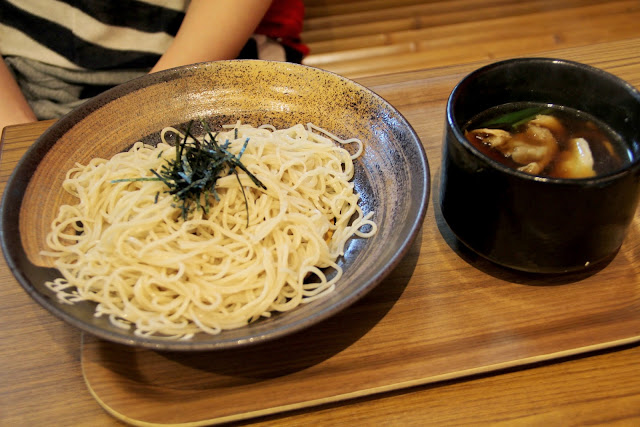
{"x": 547, "y": 140}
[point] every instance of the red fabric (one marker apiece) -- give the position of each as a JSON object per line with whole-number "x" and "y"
{"x": 283, "y": 22}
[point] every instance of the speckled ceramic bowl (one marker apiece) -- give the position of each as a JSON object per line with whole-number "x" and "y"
{"x": 392, "y": 176}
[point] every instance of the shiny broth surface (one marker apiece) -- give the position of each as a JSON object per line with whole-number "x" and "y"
{"x": 547, "y": 140}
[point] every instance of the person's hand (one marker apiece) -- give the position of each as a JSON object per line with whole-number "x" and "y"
{"x": 14, "y": 108}
{"x": 213, "y": 30}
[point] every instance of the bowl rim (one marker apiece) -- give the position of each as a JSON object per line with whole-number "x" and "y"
{"x": 598, "y": 180}
{"x": 16, "y": 184}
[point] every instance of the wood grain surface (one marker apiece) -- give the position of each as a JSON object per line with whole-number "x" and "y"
{"x": 42, "y": 381}
{"x": 442, "y": 314}
{"x": 359, "y": 38}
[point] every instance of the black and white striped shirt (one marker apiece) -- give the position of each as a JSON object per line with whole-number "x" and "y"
{"x": 63, "y": 52}
{"x": 92, "y": 35}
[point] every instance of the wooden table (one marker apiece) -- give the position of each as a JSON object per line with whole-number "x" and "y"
{"x": 366, "y": 37}
{"x": 42, "y": 380}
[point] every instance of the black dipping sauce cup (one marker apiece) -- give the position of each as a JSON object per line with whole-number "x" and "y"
{"x": 532, "y": 223}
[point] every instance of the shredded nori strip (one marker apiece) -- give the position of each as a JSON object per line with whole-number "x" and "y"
{"x": 192, "y": 175}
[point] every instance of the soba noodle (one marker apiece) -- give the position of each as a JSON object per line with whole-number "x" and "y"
{"x": 146, "y": 267}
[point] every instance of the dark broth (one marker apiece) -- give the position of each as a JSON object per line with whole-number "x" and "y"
{"x": 608, "y": 150}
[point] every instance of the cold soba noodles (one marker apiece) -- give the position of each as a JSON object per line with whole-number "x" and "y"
{"x": 547, "y": 140}
{"x": 240, "y": 252}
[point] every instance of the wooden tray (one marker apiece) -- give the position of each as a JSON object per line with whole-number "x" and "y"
{"x": 442, "y": 314}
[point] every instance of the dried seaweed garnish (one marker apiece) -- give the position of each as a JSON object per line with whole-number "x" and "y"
{"x": 192, "y": 175}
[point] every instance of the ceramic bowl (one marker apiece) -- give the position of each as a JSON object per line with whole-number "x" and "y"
{"x": 392, "y": 176}
{"x": 527, "y": 222}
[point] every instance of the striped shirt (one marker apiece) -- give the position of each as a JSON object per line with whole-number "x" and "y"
{"x": 63, "y": 52}
{"x": 85, "y": 34}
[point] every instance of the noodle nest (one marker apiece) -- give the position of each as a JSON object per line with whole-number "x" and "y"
{"x": 126, "y": 246}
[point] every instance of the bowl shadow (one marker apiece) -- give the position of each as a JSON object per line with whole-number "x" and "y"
{"x": 265, "y": 360}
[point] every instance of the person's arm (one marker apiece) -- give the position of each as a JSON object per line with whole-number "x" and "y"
{"x": 213, "y": 30}
{"x": 14, "y": 108}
